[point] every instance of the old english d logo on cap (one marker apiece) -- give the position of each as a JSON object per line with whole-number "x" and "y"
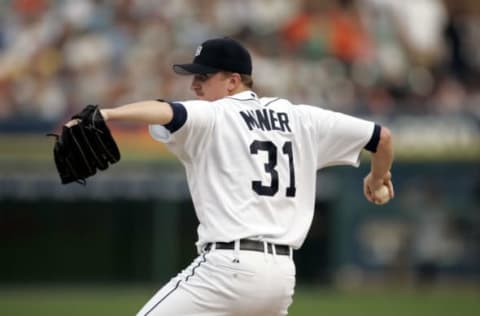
{"x": 198, "y": 51}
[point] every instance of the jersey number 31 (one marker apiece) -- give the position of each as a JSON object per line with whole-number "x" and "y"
{"x": 270, "y": 168}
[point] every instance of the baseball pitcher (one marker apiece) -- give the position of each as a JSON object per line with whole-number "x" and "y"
{"x": 251, "y": 167}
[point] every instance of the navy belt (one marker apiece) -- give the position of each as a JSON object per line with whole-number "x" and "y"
{"x": 251, "y": 245}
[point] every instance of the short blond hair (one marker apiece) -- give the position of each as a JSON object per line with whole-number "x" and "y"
{"x": 246, "y": 80}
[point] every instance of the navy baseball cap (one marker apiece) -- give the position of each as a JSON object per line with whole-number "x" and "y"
{"x": 219, "y": 54}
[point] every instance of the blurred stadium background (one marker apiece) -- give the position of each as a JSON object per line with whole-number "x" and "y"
{"x": 104, "y": 248}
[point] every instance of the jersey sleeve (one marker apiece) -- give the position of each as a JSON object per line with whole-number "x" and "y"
{"x": 340, "y": 138}
{"x": 187, "y": 140}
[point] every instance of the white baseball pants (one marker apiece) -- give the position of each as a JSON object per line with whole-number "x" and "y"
{"x": 228, "y": 283}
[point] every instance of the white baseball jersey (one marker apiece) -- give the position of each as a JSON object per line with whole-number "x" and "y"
{"x": 251, "y": 163}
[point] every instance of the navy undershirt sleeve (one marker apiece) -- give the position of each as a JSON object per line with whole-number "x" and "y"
{"x": 179, "y": 116}
{"x": 374, "y": 140}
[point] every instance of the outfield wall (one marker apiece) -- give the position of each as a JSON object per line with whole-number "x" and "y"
{"x": 140, "y": 226}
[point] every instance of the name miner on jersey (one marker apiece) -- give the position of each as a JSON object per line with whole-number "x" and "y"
{"x": 266, "y": 120}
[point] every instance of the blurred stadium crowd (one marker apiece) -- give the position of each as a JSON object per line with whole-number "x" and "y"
{"x": 375, "y": 57}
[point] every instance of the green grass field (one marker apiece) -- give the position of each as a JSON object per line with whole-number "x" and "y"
{"x": 123, "y": 301}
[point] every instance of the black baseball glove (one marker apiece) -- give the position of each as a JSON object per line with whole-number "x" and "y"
{"x": 84, "y": 147}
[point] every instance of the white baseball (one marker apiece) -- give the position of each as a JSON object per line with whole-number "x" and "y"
{"x": 382, "y": 195}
